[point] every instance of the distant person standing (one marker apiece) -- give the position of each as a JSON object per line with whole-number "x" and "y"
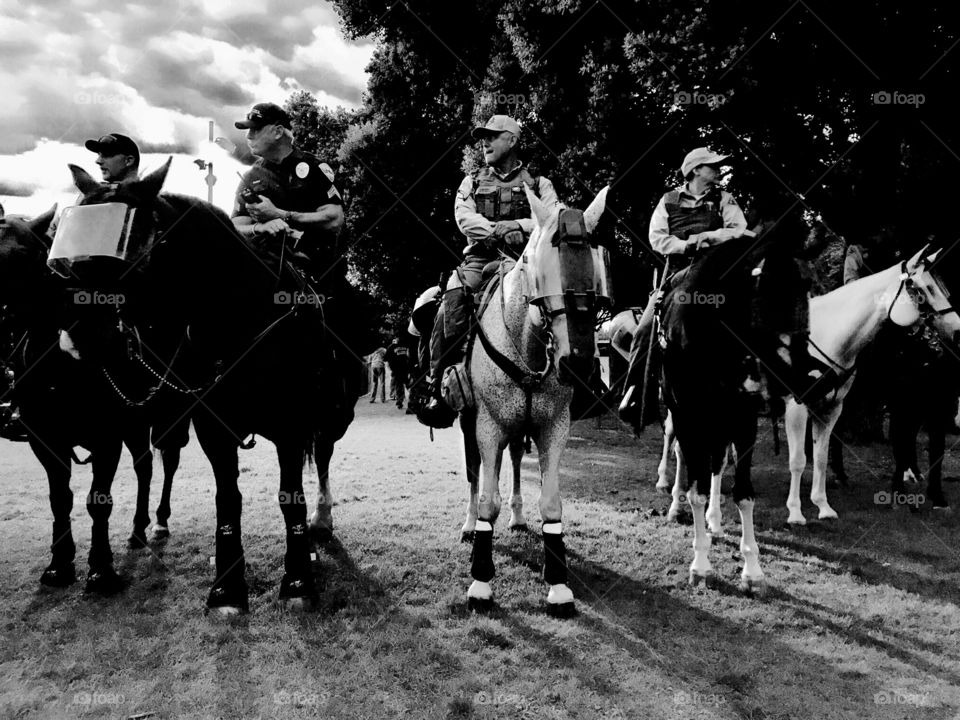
{"x": 398, "y": 359}
{"x": 378, "y": 369}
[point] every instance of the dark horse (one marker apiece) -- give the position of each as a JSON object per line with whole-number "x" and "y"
{"x": 709, "y": 387}
{"x": 62, "y": 405}
{"x": 212, "y": 320}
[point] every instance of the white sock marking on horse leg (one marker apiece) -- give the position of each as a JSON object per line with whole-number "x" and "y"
{"x": 714, "y": 513}
{"x": 795, "y": 422}
{"x": 676, "y": 494}
{"x": 554, "y": 528}
{"x": 700, "y": 568}
{"x": 752, "y": 576}
{"x": 484, "y": 526}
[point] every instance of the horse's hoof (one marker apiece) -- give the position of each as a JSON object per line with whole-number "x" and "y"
{"x": 466, "y": 536}
{"x": 226, "y": 611}
{"x": 754, "y": 587}
{"x": 663, "y": 486}
{"x": 797, "y": 519}
{"x": 59, "y": 576}
{"x": 829, "y": 514}
{"x": 228, "y": 599}
{"x": 697, "y": 577}
{"x": 298, "y": 592}
{"x": 137, "y": 540}
{"x": 673, "y": 515}
{"x": 321, "y": 534}
{"x": 479, "y": 597}
{"x": 104, "y": 582}
{"x": 562, "y": 611}
{"x": 159, "y": 532}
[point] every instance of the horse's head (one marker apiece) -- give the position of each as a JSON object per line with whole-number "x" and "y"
{"x": 925, "y": 297}
{"x": 110, "y": 231}
{"x": 23, "y": 251}
{"x": 570, "y": 282}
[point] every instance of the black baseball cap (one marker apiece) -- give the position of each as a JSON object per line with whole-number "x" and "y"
{"x": 114, "y": 144}
{"x": 263, "y": 114}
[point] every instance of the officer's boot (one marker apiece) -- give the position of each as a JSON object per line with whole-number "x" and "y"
{"x": 635, "y": 384}
{"x": 447, "y": 348}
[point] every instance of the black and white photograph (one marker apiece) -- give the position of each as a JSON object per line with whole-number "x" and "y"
{"x": 534, "y": 359}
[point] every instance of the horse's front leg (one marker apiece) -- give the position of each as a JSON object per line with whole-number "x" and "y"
{"x": 795, "y": 424}
{"x": 228, "y": 596}
{"x": 61, "y": 571}
{"x": 491, "y": 442}
{"x": 822, "y": 428}
{"x": 297, "y": 588}
{"x": 321, "y": 521}
{"x": 550, "y": 445}
{"x": 137, "y": 441}
{"x": 517, "y": 519}
{"x": 102, "y": 578}
{"x": 471, "y": 459}
{"x": 663, "y": 481}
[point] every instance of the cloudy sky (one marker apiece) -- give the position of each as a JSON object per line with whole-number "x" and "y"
{"x": 158, "y": 71}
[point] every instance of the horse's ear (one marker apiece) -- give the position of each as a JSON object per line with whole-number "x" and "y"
{"x": 540, "y": 212}
{"x": 150, "y": 185}
{"x": 932, "y": 257}
{"x": 591, "y": 216}
{"x": 40, "y": 224}
{"x": 918, "y": 259}
{"x": 82, "y": 179}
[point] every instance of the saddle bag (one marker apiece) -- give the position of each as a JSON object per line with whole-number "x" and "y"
{"x": 456, "y": 388}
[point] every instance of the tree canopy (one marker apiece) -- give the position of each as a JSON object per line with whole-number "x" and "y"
{"x": 839, "y": 109}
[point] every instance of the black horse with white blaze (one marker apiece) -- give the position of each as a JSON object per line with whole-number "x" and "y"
{"x": 202, "y": 314}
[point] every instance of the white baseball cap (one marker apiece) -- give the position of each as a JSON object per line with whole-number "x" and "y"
{"x": 700, "y": 156}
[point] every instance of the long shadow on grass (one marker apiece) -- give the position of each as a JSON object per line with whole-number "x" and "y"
{"x": 701, "y": 650}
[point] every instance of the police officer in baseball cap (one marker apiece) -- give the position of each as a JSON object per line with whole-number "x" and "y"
{"x": 117, "y": 156}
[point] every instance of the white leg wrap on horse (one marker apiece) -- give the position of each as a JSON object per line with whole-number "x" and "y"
{"x": 484, "y": 526}
{"x": 559, "y": 595}
{"x": 480, "y": 590}
{"x": 554, "y": 528}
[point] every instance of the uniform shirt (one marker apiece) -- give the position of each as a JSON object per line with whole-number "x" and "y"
{"x": 300, "y": 183}
{"x": 734, "y": 223}
{"x": 475, "y": 226}
{"x": 853, "y": 264}
{"x": 376, "y": 358}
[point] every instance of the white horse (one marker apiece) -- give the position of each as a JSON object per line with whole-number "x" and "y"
{"x": 536, "y": 339}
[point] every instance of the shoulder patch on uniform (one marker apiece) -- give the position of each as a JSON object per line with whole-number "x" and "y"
{"x": 302, "y": 170}
{"x": 332, "y": 192}
{"x": 328, "y": 171}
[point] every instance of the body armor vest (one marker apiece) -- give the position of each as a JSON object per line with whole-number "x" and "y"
{"x": 498, "y": 199}
{"x": 687, "y": 221}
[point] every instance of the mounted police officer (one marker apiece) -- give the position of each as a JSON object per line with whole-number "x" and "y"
{"x": 695, "y": 215}
{"x": 289, "y": 195}
{"x": 492, "y": 211}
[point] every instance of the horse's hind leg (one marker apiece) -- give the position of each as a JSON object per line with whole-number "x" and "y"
{"x": 102, "y": 578}
{"x": 138, "y": 442}
{"x": 321, "y": 521}
{"x": 677, "y": 493}
{"x": 297, "y": 588}
{"x": 517, "y": 519}
{"x": 821, "y": 440}
{"x": 752, "y": 580}
{"x": 491, "y": 444}
{"x": 471, "y": 458}
{"x": 61, "y": 571}
{"x": 170, "y": 460}
{"x": 795, "y": 423}
{"x": 663, "y": 482}
{"x": 550, "y": 446}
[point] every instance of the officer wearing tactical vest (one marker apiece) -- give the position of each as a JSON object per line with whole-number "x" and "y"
{"x": 491, "y": 210}
{"x": 696, "y": 215}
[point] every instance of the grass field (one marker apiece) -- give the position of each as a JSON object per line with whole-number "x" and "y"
{"x": 861, "y": 620}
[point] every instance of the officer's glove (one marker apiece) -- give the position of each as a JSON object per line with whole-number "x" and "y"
{"x": 515, "y": 239}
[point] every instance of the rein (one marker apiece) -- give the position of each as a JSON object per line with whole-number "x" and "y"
{"x": 526, "y": 379}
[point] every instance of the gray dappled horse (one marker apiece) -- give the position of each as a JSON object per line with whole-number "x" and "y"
{"x": 536, "y": 339}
